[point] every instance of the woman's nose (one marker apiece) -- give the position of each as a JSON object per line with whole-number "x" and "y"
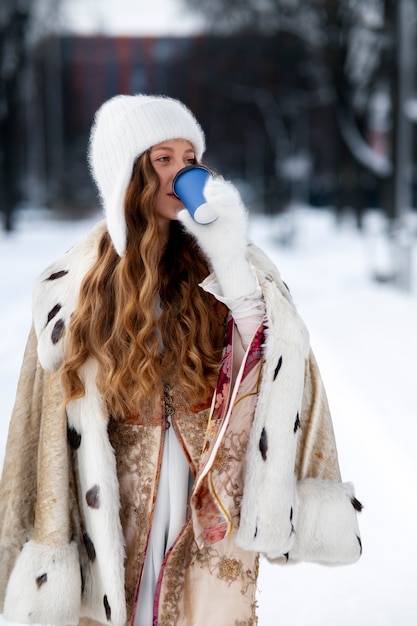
{"x": 179, "y": 166}
{"x": 175, "y": 169}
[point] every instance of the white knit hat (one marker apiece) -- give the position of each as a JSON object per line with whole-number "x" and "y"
{"x": 124, "y": 128}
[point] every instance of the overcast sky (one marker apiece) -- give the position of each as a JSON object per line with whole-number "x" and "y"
{"x": 139, "y": 17}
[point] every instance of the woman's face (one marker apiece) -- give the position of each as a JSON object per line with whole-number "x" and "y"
{"x": 167, "y": 159}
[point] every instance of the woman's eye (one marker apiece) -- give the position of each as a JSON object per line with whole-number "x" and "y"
{"x": 190, "y": 161}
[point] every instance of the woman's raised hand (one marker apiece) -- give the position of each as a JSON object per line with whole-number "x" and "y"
{"x": 224, "y": 241}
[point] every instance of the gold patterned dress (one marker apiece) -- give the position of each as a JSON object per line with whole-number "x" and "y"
{"x": 204, "y": 578}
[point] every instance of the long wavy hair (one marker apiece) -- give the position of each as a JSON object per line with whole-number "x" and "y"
{"x": 143, "y": 316}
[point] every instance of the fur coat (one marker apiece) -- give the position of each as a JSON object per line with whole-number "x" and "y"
{"x": 60, "y": 478}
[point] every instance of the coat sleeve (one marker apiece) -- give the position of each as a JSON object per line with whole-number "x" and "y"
{"x": 18, "y": 483}
{"x": 39, "y": 562}
{"x": 295, "y": 506}
{"x": 327, "y": 529}
{"x": 316, "y": 446}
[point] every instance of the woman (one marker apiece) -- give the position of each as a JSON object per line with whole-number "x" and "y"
{"x": 198, "y": 429}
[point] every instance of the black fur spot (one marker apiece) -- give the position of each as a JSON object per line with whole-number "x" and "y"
{"x": 360, "y": 543}
{"x": 93, "y": 497}
{"x": 286, "y": 556}
{"x": 41, "y": 580}
{"x": 356, "y": 504}
{"x": 54, "y": 311}
{"x": 107, "y": 608}
{"x": 297, "y": 423}
{"x": 58, "y": 331}
{"x": 255, "y": 534}
{"x": 89, "y": 546}
{"x": 278, "y": 367}
{"x": 74, "y": 438}
{"x": 82, "y": 581}
{"x": 292, "y": 525}
{"x": 56, "y": 275}
{"x": 263, "y": 444}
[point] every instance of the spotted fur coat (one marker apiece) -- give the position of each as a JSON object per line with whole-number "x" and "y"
{"x": 294, "y": 506}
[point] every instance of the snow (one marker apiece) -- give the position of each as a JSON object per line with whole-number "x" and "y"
{"x": 364, "y": 337}
{"x": 129, "y": 17}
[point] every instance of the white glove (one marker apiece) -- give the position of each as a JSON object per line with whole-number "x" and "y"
{"x": 224, "y": 241}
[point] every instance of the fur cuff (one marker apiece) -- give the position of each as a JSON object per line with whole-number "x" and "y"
{"x": 45, "y": 586}
{"x": 326, "y": 528}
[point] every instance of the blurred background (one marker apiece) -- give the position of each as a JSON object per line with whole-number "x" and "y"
{"x": 310, "y": 107}
{"x": 302, "y": 101}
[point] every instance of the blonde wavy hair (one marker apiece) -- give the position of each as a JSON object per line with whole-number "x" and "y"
{"x": 143, "y": 316}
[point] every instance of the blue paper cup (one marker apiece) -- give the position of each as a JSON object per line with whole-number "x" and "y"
{"x": 188, "y": 187}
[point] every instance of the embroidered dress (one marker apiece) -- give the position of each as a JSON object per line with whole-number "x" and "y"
{"x": 149, "y": 456}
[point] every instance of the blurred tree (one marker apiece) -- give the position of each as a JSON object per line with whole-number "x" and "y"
{"x": 22, "y": 23}
{"x": 14, "y": 18}
{"x": 353, "y": 59}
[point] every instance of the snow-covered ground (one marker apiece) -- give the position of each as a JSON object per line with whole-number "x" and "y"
{"x": 365, "y": 339}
